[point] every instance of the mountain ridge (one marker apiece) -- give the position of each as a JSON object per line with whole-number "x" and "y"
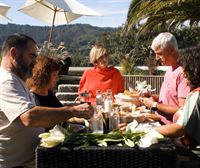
{"x": 74, "y": 36}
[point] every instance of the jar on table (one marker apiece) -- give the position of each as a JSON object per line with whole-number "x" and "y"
{"x": 99, "y": 98}
{"x": 97, "y": 121}
{"x": 108, "y": 101}
{"x": 114, "y": 119}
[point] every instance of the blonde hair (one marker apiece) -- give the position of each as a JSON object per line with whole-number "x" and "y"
{"x": 96, "y": 52}
{"x": 164, "y": 40}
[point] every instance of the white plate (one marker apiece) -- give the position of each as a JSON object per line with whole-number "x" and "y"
{"x": 123, "y": 97}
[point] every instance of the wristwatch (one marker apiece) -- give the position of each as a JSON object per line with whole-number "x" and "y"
{"x": 154, "y": 106}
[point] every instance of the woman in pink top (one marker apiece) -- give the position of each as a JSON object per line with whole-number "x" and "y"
{"x": 175, "y": 87}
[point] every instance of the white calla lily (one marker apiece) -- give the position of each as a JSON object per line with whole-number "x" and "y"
{"x": 53, "y": 138}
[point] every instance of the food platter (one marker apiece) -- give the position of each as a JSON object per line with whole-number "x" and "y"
{"x": 122, "y": 98}
{"x": 141, "y": 114}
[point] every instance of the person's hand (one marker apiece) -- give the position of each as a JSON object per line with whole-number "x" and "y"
{"x": 145, "y": 94}
{"x": 76, "y": 120}
{"x": 122, "y": 127}
{"x": 85, "y": 110}
{"x": 148, "y": 102}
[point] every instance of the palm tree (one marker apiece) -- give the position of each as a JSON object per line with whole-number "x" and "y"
{"x": 146, "y": 15}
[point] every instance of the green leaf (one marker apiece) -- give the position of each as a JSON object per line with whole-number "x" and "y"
{"x": 129, "y": 143}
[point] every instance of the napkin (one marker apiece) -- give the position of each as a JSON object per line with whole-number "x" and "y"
{"x": 151, "y": 136}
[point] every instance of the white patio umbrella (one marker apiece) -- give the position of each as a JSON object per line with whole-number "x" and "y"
{"x": 3, "y": 10}
{"x": 56, "y": 12}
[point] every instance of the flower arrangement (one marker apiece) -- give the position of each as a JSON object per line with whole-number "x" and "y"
{"x": 143, "y": 87}
{"x": 59, "y": 135}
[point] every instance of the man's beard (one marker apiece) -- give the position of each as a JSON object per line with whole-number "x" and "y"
{"x": 22, "y": 69}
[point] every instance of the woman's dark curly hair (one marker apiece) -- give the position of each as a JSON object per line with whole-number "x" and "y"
{"x": 189, "y": 60}
{"x": 41, "y": 73}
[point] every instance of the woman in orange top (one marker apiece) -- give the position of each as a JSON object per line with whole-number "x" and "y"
{"x": 102, "y": 76}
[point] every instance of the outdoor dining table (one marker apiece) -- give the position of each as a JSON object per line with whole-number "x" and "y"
{"x": 160, "y": 155}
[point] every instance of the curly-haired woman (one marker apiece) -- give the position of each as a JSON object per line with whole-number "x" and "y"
{"x": 43, "y": 81}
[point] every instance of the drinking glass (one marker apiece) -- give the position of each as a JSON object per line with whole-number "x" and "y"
{"x": 97, "y": 120}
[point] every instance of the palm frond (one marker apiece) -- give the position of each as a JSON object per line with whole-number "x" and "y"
{"x": 173, "y": 13}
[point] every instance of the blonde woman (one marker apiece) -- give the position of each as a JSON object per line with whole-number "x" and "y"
{"x": 102, "y": 76}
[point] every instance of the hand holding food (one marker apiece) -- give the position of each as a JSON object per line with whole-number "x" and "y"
{"x": 148, "y": 102}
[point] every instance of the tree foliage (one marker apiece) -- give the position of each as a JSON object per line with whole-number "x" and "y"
{"x": 131, "y": 50}
{"x": 148, "y": 15}
{"x": 126, "y": 50}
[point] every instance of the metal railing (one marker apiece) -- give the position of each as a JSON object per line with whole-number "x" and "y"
{"x": 154, "y": 80}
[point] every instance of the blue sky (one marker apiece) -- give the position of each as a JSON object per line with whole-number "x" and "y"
{"x": 113, "y": 12}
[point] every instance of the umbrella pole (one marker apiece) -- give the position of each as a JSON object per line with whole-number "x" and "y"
{"x": 51, "y": 30}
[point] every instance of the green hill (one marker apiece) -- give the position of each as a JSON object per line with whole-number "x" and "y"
{"x": 76, "y": 36}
